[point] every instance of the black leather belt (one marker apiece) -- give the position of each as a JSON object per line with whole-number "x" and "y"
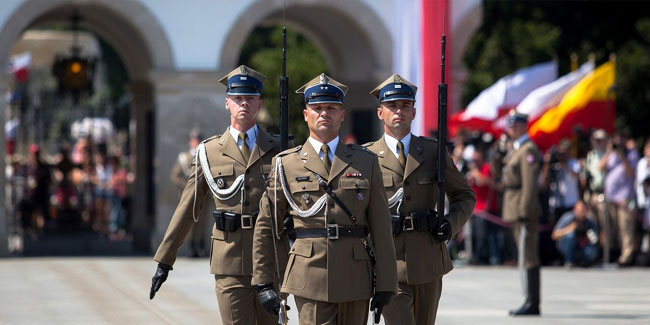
{"x": 332, "y": 231}
{"x": 420, "y": 221}
{"x": 230, "y": 221}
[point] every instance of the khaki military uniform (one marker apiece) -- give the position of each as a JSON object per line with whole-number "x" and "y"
{"x": 231, "y": 252}
{"x": 421, "y": 260}
{"x": 200, "y": 233}
{"x": 520, "y": 197}
{"x": 331, "y": 279}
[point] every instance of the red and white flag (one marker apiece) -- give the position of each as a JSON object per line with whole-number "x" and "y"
{"x": 19, "y": 66}
{"x": 505, "y": 94}
{"x": 543, "y": 98}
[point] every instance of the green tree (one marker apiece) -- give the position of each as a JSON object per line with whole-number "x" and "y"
{"x": 263, "y": 52}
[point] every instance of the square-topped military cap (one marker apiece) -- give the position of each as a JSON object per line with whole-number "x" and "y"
{"x": 323, "y": 89}
{"x": 243, "y": 81}
{"x": 516, "y": 117}
{"x": 395, "y": 88}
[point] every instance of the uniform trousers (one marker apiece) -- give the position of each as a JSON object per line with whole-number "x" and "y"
{"x": 531, "y": 254}
{"x": 625, "y": 223}
{"x": 313, "y": 312}
{"x": 238, "y": 303}
{"x": 414, "y": 304}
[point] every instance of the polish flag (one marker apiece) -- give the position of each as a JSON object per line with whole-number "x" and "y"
{"x": 543, "y": 98}
{"x": 19, "y": 66}
{"x": 496, "y": 100}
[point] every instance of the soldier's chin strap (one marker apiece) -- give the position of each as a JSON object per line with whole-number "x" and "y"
{"x": 221, "y": 194}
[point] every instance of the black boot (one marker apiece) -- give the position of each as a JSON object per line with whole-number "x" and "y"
{"x": 531, "y": 305}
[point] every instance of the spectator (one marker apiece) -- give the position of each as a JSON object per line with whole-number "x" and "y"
{"x": 37, "y": 196}
{"x": 560, "y": 176}
{"x": 102, "y": 193}
{"x": 642, "y": 192}
{"x": 618, "y": 163}
{"x": 593, "y": 177}
{"x": 119, "y": 189}
{"x": 576, "y": 237}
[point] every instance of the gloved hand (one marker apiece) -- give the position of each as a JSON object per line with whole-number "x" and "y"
{"x": 443, "y": 231}
{"x": 268, "y": 298}
{"x": 162, "y": 271}
{"x": 379, "y": 300}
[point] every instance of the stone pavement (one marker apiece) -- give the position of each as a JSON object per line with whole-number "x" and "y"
{"x": 116, "y": 291}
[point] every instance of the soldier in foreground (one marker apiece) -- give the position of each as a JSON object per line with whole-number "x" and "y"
{"x": 409, "y": 170}
{"x": 521, "y": 206}
{"x": 232, "y": 167}
{"x": 334, "y": 193}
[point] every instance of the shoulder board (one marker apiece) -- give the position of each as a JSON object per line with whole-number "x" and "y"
{"x": 290, "y": 151}
{"x": 368, "y": 144}
{"x": 428, "y": 139}
{"x": 358, "y": 147}
{"x": 216, "y": 136}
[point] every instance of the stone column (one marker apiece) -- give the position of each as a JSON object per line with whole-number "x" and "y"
{"x": 184, "y": 100}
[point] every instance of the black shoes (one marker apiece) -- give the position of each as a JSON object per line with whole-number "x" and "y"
{"x": 531, "y": 305}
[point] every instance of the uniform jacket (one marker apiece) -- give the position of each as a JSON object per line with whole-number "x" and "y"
{"x": 519, "y": 179}
{"x": 420, "y": 258}
{"x": 182, "y": 169}
{"x": 321, "y": 269}
{"x": 231, "y": 252}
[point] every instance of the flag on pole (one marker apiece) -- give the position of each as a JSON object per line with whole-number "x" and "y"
{"x": 19, "y": 66}
{"x": 543, "y": 98}
{"x": 496, "y": 100}
{"x": 588, "y": 104}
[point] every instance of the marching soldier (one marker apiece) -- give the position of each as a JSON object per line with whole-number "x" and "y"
{"x": 335, "y": 195}
{"x": 521, "y": 206}
{"x": 232, "y": 168}
{"x": 409, "y": 171}
{"x": 179, "y": 175}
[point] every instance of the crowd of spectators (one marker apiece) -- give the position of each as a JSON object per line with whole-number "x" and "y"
{"x": 79, "y": 188}
{"x": 594, "y": 196}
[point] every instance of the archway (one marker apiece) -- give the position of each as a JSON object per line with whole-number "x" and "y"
{"x": 141, "y": 43}
{"x": 357, "y": 49}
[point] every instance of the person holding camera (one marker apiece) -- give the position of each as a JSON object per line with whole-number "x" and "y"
{"x": 560, "y": 177}
{"x": 618, "y": 164}
{"x": 576, "y": 237}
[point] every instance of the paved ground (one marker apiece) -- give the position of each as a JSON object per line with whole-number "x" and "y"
{"x": 115, "y": 291}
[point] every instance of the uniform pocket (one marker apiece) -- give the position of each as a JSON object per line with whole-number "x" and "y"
{"x": 216, "y": 249}
{"x": 223, "y": 170}
{"x": 297, "y": 270}
{"x": 388, "y": 180}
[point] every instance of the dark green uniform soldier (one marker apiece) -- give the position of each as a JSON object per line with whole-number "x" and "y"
{"x": 232, "y": 168}
{"x": 521, "y": 206}
{"x": 335, "y": 194}
{"x": 409, "y": 171}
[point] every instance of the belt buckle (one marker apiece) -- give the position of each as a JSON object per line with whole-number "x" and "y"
{"x": 408, "y": 220}
{"x": 336, "y": 231}
{"x": 246, "y": 218}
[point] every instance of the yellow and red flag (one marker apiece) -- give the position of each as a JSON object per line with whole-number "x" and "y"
{"x": 589, "y": 104}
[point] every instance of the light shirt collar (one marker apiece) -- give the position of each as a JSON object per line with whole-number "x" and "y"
{"x": 392, "y": 144}
{"x": 522, "y": 139}
{"x": 251, "y": 136}
{"x": 332, "y": 144}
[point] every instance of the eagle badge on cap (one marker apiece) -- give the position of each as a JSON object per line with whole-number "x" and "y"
{"x": 243, "y": 70}
{"x": 397, "y": 79}
{"x": 323, "y": 79}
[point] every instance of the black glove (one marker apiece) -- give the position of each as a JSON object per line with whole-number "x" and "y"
{"x": 442, "y": 232}
{"x": 268, "y": 298}
{"x": 379, "y": 300}
{"x": 162, "y": 271}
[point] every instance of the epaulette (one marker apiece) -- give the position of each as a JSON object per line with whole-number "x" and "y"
{"x": 368, "y": 144}
{"x": 428, "y": 139}
{"x": 359, "y": 147}
{"x": 288, "y": 151}
{"x": 216, "y": 136}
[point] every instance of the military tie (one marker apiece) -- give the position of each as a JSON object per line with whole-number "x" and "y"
{"x": 401, "y": 157}
{"x": 326, "y": 157}
{"x": 245, "y": 150}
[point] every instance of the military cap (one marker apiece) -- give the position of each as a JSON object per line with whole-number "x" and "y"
{"x": 395, "y": 88}
{"x": 515, "y": 117}
{"x": 323, "y": 89}
{"x": 243, "y": 81}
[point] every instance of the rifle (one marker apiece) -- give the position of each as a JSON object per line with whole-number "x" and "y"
{"x": 442, "y": 134}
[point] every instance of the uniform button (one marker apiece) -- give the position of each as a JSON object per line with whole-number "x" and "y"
{"x": 246, "y": 203}
{"x": 408, "y": 198}
{"x": 406, "y": 183}
{"x": 303, "y": 187}
{"x": 219, "y": 173}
